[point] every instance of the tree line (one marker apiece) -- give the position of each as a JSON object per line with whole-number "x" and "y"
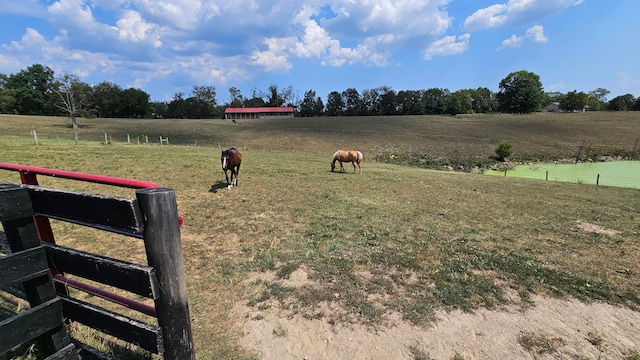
{"x": 36, "y": 90}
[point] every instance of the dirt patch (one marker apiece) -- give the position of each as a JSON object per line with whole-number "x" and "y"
{"x": 588, "y": 227}
{"x": 580, "y": 330}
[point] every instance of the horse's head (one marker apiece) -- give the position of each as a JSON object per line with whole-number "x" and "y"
{"x": 224, "y": 159}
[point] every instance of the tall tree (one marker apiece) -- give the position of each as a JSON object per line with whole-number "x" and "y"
{"x": 435, "y": 101}
{"x": 482, "y": 100}
{"x": 307, "y": 106}
{"x": 177, "y": 106}
{"x": 32, "y": 88}
{"x": 351, "y": 100}
{"x": 459, "y": 102}
{"x": 598, "y": 99}
{"x": 135, "y": 103}
{"x": 600, "y": 94}
{"x": 573, "y": 101}
{"x": 335, "y": 104}
{"x": 73, "y": 96}
{"x": 622, "y": 103}
{"x": 256, "y": 99}
{"x": 204, "y": 101}
{"x": 278, "y": 98}
{"x": 7, "y": 96}
{"x": 410, "y": 102}
{"x": 389, "y": 102}
{"x": 159, "y": 109}
{"x": 370, "y": 102}
{"x": 318, "y": 109}
{"x": 236, "y": 97}
{"x": 106, "y": 99}
{"x": 520, "y": 92}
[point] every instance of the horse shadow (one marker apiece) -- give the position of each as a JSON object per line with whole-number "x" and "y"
{"x": 217, "y": 186}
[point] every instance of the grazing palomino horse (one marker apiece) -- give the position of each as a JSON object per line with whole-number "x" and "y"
{"x": 352, "y": 156}
{"x": 231, "y": 159}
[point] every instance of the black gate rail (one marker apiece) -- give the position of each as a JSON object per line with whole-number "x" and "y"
{"x": 152, "y": 217}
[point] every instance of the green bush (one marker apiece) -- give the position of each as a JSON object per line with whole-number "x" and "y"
{"x": 503, "y": 150}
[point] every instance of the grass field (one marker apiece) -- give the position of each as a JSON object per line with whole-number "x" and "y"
{"x": 395, "y": 239}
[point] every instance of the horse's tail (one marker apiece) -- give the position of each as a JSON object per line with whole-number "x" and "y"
{"x": 360, "y": 156}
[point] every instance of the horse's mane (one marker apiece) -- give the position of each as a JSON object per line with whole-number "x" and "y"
{"x": 229, "y": 151}
{"x": 335, "y": 155}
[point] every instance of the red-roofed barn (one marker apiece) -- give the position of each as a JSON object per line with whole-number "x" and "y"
{"x": 258, "y": 113}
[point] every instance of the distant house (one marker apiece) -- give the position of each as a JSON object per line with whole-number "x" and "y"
{"x": 553, "y": 107}
{"x": 258, "y": 113}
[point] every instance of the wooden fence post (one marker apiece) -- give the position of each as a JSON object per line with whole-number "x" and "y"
{"x": 164, "y": 253}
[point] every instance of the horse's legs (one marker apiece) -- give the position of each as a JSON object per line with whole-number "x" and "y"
{"x": 354, "y": 166}
{"x": 341, "y": 167}
{"x": 237, "y": 172}
{"x": 226, "y": 175}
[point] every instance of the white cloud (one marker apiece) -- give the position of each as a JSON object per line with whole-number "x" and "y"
{"x": 534, "y": 33}
{"x": 373, "y": 17}
{"x": 35, "y": 48}
{"x": 314, "y": 41}
{"x": 131, "y": 27}
{"x": 74, "y": 12}
{"x": 275, "y": 58}
{"x": 182, "y": 14}
{"x": 449, "y": 45}
{"x": 515, "y": 11}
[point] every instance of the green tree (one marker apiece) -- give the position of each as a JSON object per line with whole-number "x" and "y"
{"x": 410, "y": 102}
{"x": 335, "y": 104}
{"x": 622, "y": 103}
{"x": 159, "y": 109}
{"x": 236, "y": 97}
{"x": 370, "y": 102}
{"x": 177, "y": 107}
{"x": 482, "y": 100}
{"x": 134, "y": 103}
{"x": 551, "y": 97}
{"x": 435, "y": 101}
{"x": 309, "y": 106}
{"x": 204, "y": 102}
{"x": 520, "y": 92}
{"x": 279, "y": 98}
{"x": 106, "y": 99}
{"x": 574, "y": 101}
{"x": 351, "y": 100}
{"x": 256, "y": 99}
{"x": 389, "y": 102}
{"x": 32, "y": 90}
{"x": 600, "y": 94}
{"x": 7, "y": 96}
{"x": 459, "y": 102}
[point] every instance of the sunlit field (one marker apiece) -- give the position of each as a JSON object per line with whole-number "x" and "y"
{"x": 399, "y": 238}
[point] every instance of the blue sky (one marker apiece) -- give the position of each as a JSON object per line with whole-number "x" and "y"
{"x": 168, "y": 46}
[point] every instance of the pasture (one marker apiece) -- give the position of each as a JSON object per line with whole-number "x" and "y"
{"x": 396, "y": 239}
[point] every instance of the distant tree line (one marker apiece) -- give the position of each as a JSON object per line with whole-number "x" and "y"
{"x": 37, "y": 91}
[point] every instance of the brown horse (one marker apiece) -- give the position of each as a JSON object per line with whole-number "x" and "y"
{"x": 231, "y": 159}
{"x": 352, "y": 156}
